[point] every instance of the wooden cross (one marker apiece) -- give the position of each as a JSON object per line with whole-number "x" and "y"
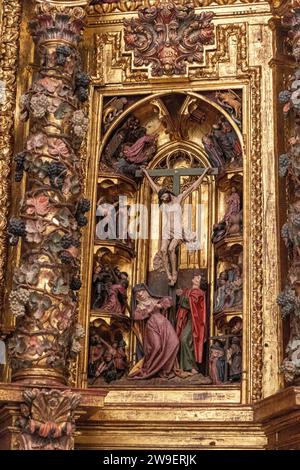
{"x": 176, "y": 174}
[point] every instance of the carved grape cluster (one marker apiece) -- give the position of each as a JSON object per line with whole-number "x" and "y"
{"x": 62, "y": 53}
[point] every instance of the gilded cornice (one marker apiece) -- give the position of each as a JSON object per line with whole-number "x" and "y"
{"x": 64, "y": 3}
{"x": 132, "y": 6}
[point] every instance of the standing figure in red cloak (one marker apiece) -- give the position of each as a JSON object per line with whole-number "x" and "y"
{"x": 190, "y": 326}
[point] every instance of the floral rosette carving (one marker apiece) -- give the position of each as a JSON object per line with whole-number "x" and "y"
{"x": 168, "y": 37}
{"x": 52, "y": 212}
{"x": 289, "y": 166}
{"x": 47, "y": 420}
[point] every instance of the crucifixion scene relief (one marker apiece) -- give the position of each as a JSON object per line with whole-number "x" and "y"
{"x": 170, "y": 200}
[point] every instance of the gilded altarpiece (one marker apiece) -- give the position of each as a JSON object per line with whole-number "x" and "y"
{"x": 231, "y": 80}
{"x": 237, "y": 60}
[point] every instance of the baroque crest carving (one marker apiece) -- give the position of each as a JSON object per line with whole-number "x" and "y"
{"x": 168, "y": 37}
{"x": 47, "y": 419}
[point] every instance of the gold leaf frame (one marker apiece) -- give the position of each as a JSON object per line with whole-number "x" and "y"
{"x": 250, "y": 78}
{"x": 10, "y": 21}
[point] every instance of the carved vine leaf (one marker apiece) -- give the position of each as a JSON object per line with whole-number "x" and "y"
{"x": 168, "y": 37}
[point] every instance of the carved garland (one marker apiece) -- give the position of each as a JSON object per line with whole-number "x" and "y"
{"x": 9, "y": 39}
{"x": 289, "y": 166}
{"x": 44, "y": 298}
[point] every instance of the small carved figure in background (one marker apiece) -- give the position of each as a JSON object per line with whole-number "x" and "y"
{"x": 220, "y": 294}
{"x": 2, "y": 352}
{"x": 234, "y": 359}
{"x": 225, "y": 355}
{"x": 229, "y": 293}
{"x": 232, "y": 103}
{"x": 234, "y": 352}
{"x": 111, "y": 219}
{"x": 107, "y": 356}
{"x": 217, "y": 363}
{"x": 106, "y": 210}
{"x": 222, "y": 145}
{"x": 130, "y": 148}
{"x": 112, "y": 110}
{"x": 110, "y": 289}
{"x": 231, "y": 224}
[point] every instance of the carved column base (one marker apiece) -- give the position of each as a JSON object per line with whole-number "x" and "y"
{"x": 9, "y": 433}
{"x": 44, "y": 377}
{"x": 280, "y": 416}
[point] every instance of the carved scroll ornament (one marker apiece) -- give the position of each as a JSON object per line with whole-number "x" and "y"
{"x": 168, "y": 37}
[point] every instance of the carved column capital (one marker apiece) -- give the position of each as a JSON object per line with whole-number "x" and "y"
{"x": 57, "y": 23}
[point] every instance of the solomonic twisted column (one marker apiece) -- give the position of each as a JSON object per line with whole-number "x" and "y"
{"x": 52, "y": 212}
{"x": 289, "y": 166}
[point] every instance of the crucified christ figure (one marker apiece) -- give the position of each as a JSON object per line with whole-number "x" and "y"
{"x": 172, "y": 231}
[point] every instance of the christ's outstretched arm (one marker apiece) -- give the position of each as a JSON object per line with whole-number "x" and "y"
{"x": 152, "y": 184}
{"x": 193, "y": 187}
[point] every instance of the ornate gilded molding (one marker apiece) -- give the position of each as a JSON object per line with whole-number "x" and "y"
{"x": 9, "y": 39}
{"x": 47, "y": 420}
{"x": 109, "y": 6}
{"x": 221, "y": 52}
{"x": 43, "y": 297}
{"x": 119, "y": 60}
{"x": 289, "y": 299}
